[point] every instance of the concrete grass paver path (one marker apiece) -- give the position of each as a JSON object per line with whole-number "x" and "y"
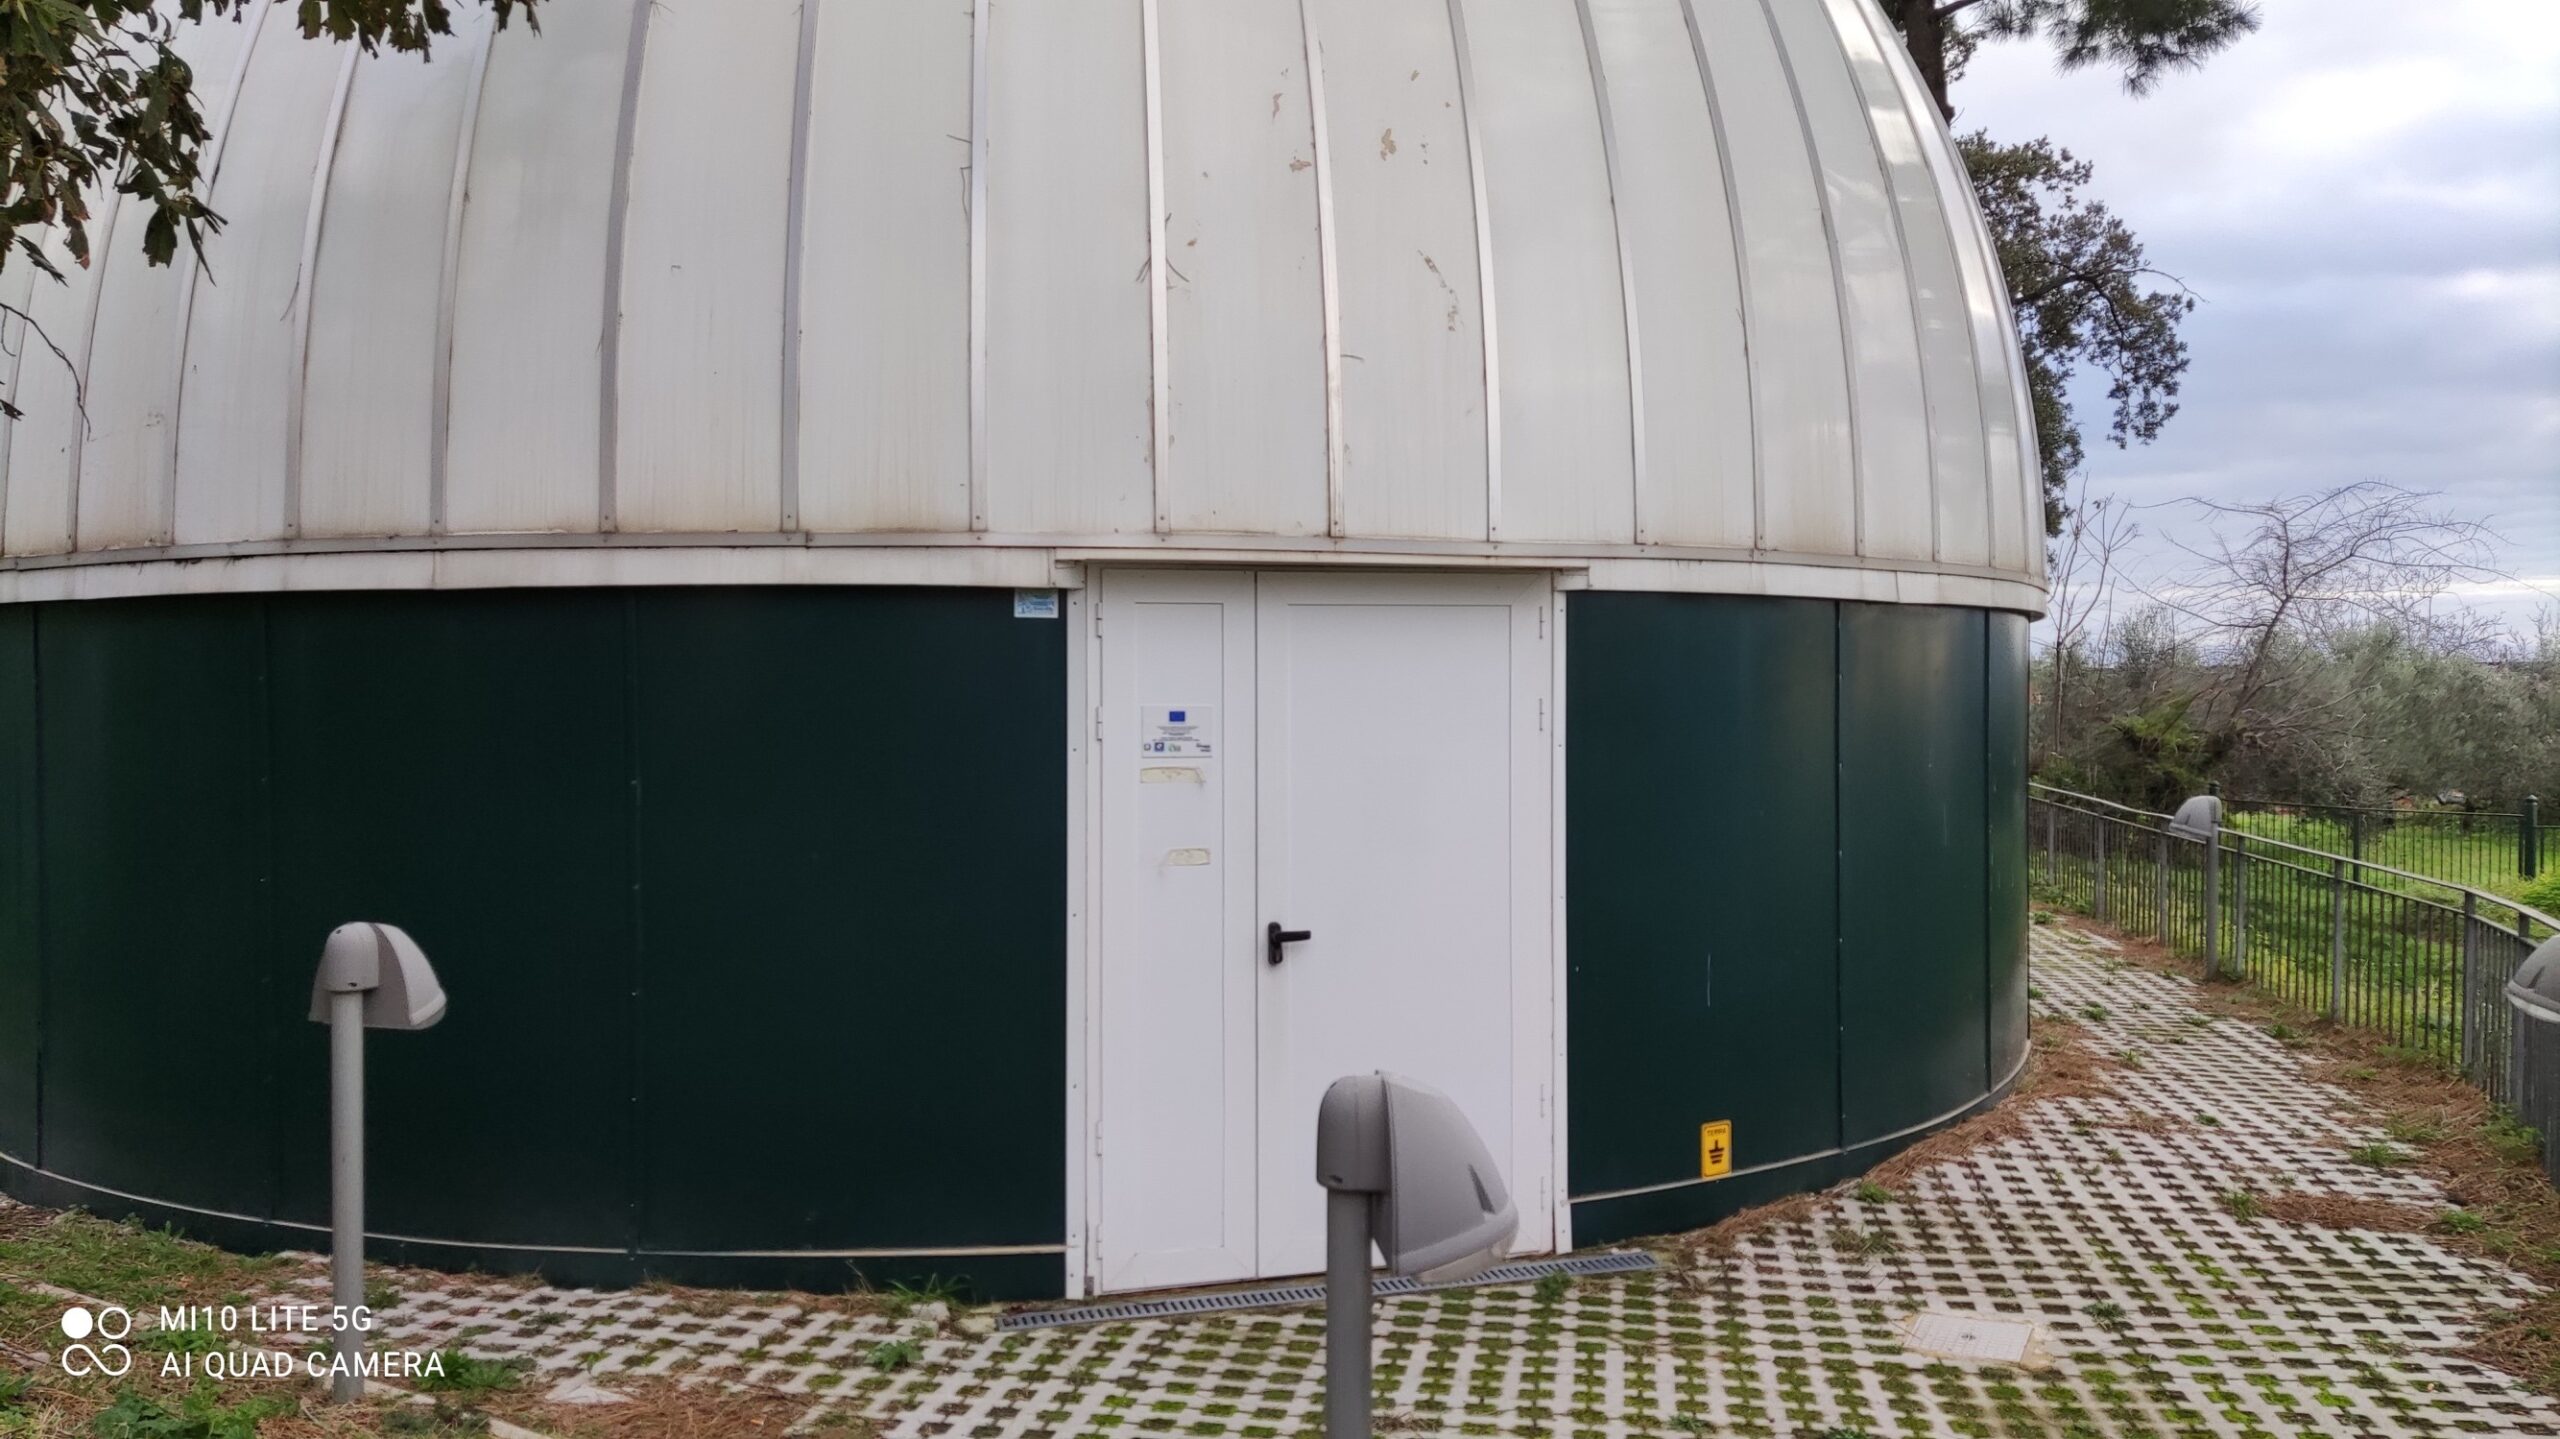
{"x": 2103, "y": 1221}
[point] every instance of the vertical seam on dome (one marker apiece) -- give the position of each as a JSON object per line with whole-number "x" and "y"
{"x": 1959, "y": 238}
{"x": 1626, "y": 271}
{"x": 298, "y": 375}
{"x": 449, "y": 287}
{"x": 1910, "y": 277}
{"x": 17, "y": 368}
{"x": 1839, "y": 284}
{"x": 617, "y": 215}
{"x": 1159, "y": 346}
{"x": 1741, "y": 271}
{"x": 1328, "y": 281}
{"x": 976, "y": 197}
{"x": 1491, "y": 333}
{"x": 212, "y": 172}
{"x": 794, "y": 257}
{"x": 88, "y": 351}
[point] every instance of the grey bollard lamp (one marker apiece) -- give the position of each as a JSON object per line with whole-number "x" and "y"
{"x": 1402, "y": 1168}
{"x": 372, "y": 976}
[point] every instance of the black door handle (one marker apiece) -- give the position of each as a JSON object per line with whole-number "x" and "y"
{"x": 1275, "y": 936}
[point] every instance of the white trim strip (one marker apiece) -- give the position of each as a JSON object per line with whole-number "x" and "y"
{"x": 794, "y": 256}
{"x": 617, "y": 214}
{"x": 1911, "y": 290}
{"x": 980, "y": 64}
{"x": 98, "y": 253}
{"x": 1626, "y": 267}
{"x": 1484, "y": 273}
{"x": 1741, "y": 274}
{"x": 449, "y": 285}
{"x": 1159, "y": 343}
{"x": 1839, "y": 281}
{"x": 299, "y": 366}
{"x": 211, "y": 172}
{"x": 1328, "y": 275}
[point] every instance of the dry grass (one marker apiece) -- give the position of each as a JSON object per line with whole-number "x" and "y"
{"x": 662, "y": 1408}
{"x": 2340, "y": 1211}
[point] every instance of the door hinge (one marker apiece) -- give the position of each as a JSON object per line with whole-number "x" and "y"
{"x": 1542, "y": 1101}
{"x": 1097, "y": 721}
{"x": 1542, "y": 714}
{"x": 1542, "y": 621}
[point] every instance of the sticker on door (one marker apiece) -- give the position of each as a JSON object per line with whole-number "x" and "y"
{"x": 1178, "y": 729}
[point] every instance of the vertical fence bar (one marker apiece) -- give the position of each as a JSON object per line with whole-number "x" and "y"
{"x": 2098, "y": 876}
{"x": 2337, "y": 939}
{"x": 2052, "y": 845}
{"x": 2240, "y": 911}
{"x": 2160, "y": 896}
{"x": 2213, "y": 902}
{"x": 2468, "y": 1015}
{"x": 2529, "y": 837}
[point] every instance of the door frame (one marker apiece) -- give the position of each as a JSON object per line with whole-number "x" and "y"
{"x": 1082, "y": 609}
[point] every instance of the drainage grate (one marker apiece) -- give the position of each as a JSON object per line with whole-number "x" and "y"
{"x": 1611, "y": 1261}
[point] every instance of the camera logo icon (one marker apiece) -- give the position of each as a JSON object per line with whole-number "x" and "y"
{"x": 109, "y": 1325}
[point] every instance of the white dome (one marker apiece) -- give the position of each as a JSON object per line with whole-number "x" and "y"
{"x": 1683, "y": 293}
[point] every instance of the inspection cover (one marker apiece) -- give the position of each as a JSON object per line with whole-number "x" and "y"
{"x": 1971, "y": 1336}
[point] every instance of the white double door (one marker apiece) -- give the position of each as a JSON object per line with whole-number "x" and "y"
{"x": 1365, "y": 759}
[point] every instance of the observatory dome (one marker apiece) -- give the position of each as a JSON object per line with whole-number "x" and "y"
{"x": 1668, "y": 287}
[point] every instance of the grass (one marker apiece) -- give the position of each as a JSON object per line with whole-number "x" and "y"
{"x": 2484, "y": 856}
{"x": 2378, "y": 1155}
{"x": 895, "y": 1354}
{"x": 467, "y": 1374}
{"x": 2241, "y": 1204}
{"x": 134, "y": 1267}
{"x": 1870, "y": 1192}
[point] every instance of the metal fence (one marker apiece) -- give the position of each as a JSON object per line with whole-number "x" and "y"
{"x": 2467, "y": 846}
{"x": 2421, "y": 960}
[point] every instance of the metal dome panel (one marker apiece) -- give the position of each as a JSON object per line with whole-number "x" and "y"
{"x": 1687, "y": 292}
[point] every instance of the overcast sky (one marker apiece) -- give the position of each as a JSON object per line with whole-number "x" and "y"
{"x": 2366, "y": 195}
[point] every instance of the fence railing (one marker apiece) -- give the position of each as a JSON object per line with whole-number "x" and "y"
{"x": 2467, "y": 846}
{"x": 2421, "y": 960}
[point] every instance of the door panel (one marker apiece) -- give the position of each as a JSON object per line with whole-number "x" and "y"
{"x": 1390, "y": 801}
{"x": 1364, "y": 757}
{"x": 1176, "y": 1029}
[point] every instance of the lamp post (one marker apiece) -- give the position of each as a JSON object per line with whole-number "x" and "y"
{"x": 1401, "y": 1167}
{"x": 372, "y": 976}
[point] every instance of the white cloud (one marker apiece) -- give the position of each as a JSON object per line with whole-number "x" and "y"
{"x": 2367, "y": 195}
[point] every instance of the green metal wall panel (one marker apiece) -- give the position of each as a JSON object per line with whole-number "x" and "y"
{"x": 853, "y": 873}
{"x": 19, "y": 981}
{"x": 2005, "y": 701}
{"x": 459, "y": 765}
{"x": 161, "y": 994}
{"x": 1701, "y": 905}
{"x": 1912, "y": 854}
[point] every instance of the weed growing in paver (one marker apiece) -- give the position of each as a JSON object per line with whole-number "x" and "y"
{"x": 1865, "y": 1243}
{"x": 1870, "y": 1192}
{"x": 2241, "y": 1204}
{"x": 464, "y": 1374}
{"x": 2378, "y": 1155}
{"x": 1551, "y": 1288}
{"x": 2094, "y": 1012}
{"x": 2460, "y": 1221}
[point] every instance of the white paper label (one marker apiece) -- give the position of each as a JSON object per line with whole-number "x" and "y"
{"x": 1035, "y": 604}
